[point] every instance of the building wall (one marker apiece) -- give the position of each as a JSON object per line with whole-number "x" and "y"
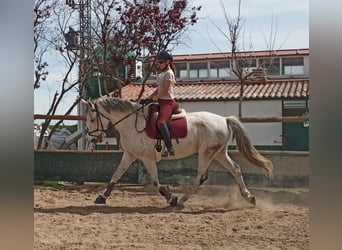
{"x": 261, "y": 134}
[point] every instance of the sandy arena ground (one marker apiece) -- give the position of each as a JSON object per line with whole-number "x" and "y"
{"x": 137, "y": 217}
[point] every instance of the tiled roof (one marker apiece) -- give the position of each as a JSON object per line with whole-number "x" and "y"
{"x": 227, "y": 90}
{"x": 225, "y": 55}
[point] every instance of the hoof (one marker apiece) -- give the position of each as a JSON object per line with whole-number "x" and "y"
{"x": 174, "y": 201}
{"x": 100, "y": 200}
{"x": 252, "y": 200}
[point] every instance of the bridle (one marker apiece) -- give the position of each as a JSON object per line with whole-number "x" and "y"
{"x": 99, "y": 124}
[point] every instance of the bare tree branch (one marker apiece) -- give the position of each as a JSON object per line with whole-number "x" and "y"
{"x": 241, "y": 62}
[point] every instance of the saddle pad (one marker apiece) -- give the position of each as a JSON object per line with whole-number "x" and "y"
{"x": 178, "y": 130}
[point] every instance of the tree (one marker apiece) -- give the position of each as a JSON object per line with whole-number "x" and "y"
{"x": 122, "y": 32}
{"x": 241, "y": 62}
{"x": 139, "y": 29}
{"x": 50, "y": 24}
{"x": 42, "y": 15}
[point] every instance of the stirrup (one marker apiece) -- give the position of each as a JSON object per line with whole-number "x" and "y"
{"x": 168, "y": 153}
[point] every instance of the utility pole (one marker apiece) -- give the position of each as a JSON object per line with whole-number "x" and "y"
{"x": 84, "y": 8}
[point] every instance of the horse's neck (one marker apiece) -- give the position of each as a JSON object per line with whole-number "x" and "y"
{"x": 125, "y": 123}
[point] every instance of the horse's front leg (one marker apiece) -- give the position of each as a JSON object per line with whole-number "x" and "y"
{"x": 152, "y": 171}
{"x": 170, "y": 198}
{"x": 124, "y": 164}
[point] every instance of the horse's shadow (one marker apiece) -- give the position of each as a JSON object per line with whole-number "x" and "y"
{"x": 104, "y": 209}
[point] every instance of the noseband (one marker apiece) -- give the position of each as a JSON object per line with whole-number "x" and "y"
{"x": 99, "y": 124}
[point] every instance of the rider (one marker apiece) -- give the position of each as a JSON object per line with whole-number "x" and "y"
{"x": 165, "y": 97}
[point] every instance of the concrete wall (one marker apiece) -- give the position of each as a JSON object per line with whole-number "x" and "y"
{"x": 291, "y": 168}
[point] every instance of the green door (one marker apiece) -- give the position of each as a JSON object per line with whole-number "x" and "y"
{"x": 295, "y": 136}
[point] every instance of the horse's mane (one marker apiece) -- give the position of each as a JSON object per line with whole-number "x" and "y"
{"x": 117, "y": 104}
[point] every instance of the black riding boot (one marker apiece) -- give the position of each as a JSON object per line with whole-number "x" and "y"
{"x": 165, "y": 133}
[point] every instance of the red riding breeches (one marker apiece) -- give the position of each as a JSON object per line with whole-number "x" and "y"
{"x": 166, "y": 106}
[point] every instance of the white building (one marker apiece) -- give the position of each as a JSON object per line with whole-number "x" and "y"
{"x": 205, "y": 82}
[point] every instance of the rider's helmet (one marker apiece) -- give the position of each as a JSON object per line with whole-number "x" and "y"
{"x": 164, "y": 55}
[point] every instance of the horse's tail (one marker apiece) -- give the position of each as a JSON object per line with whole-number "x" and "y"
{"x": 245, "y": 146}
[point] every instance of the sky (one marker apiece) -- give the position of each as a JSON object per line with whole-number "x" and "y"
{"x": 290, "y": 27}
{"x": 290, "y": 19}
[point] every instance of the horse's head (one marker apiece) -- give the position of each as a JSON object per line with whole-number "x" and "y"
{"x": 97, "y": 122}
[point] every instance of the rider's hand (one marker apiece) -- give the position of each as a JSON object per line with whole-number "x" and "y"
{"x": 145, "y": 101}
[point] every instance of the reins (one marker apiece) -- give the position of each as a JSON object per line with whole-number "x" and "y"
{"x": 123, "y": 118}
{"x": 99, "y": 121}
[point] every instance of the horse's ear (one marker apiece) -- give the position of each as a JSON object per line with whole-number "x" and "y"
{"x": 88, "y": 103}
{"x": 84, "y": 101}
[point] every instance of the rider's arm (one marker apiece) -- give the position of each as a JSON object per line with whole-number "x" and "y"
{"x": 162, "y": 90}
{"x": 153, "y": 94}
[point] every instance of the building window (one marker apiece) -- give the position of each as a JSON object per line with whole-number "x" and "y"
{"x": 247, "y": 64}
{"x": 202, "y": 73}
{"x": 193, "y": 73}
{"x": 295, "y": 107}
{"x": 198, "y": 70}
{"x": 293, "y": 66}
{"x": 272, "y": 65}
{"x": 219, "y": 69}
{"x": 181, "y": 70}
{"x": 183, "y": 74}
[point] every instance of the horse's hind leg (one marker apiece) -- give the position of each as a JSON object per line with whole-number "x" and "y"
{"x": 202, "y": 175}
{"x": 235, "y": 170}
{"x": 197, "y": 183}
{"x": 152, "y": 171}
{"x": 125, "y": 162}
